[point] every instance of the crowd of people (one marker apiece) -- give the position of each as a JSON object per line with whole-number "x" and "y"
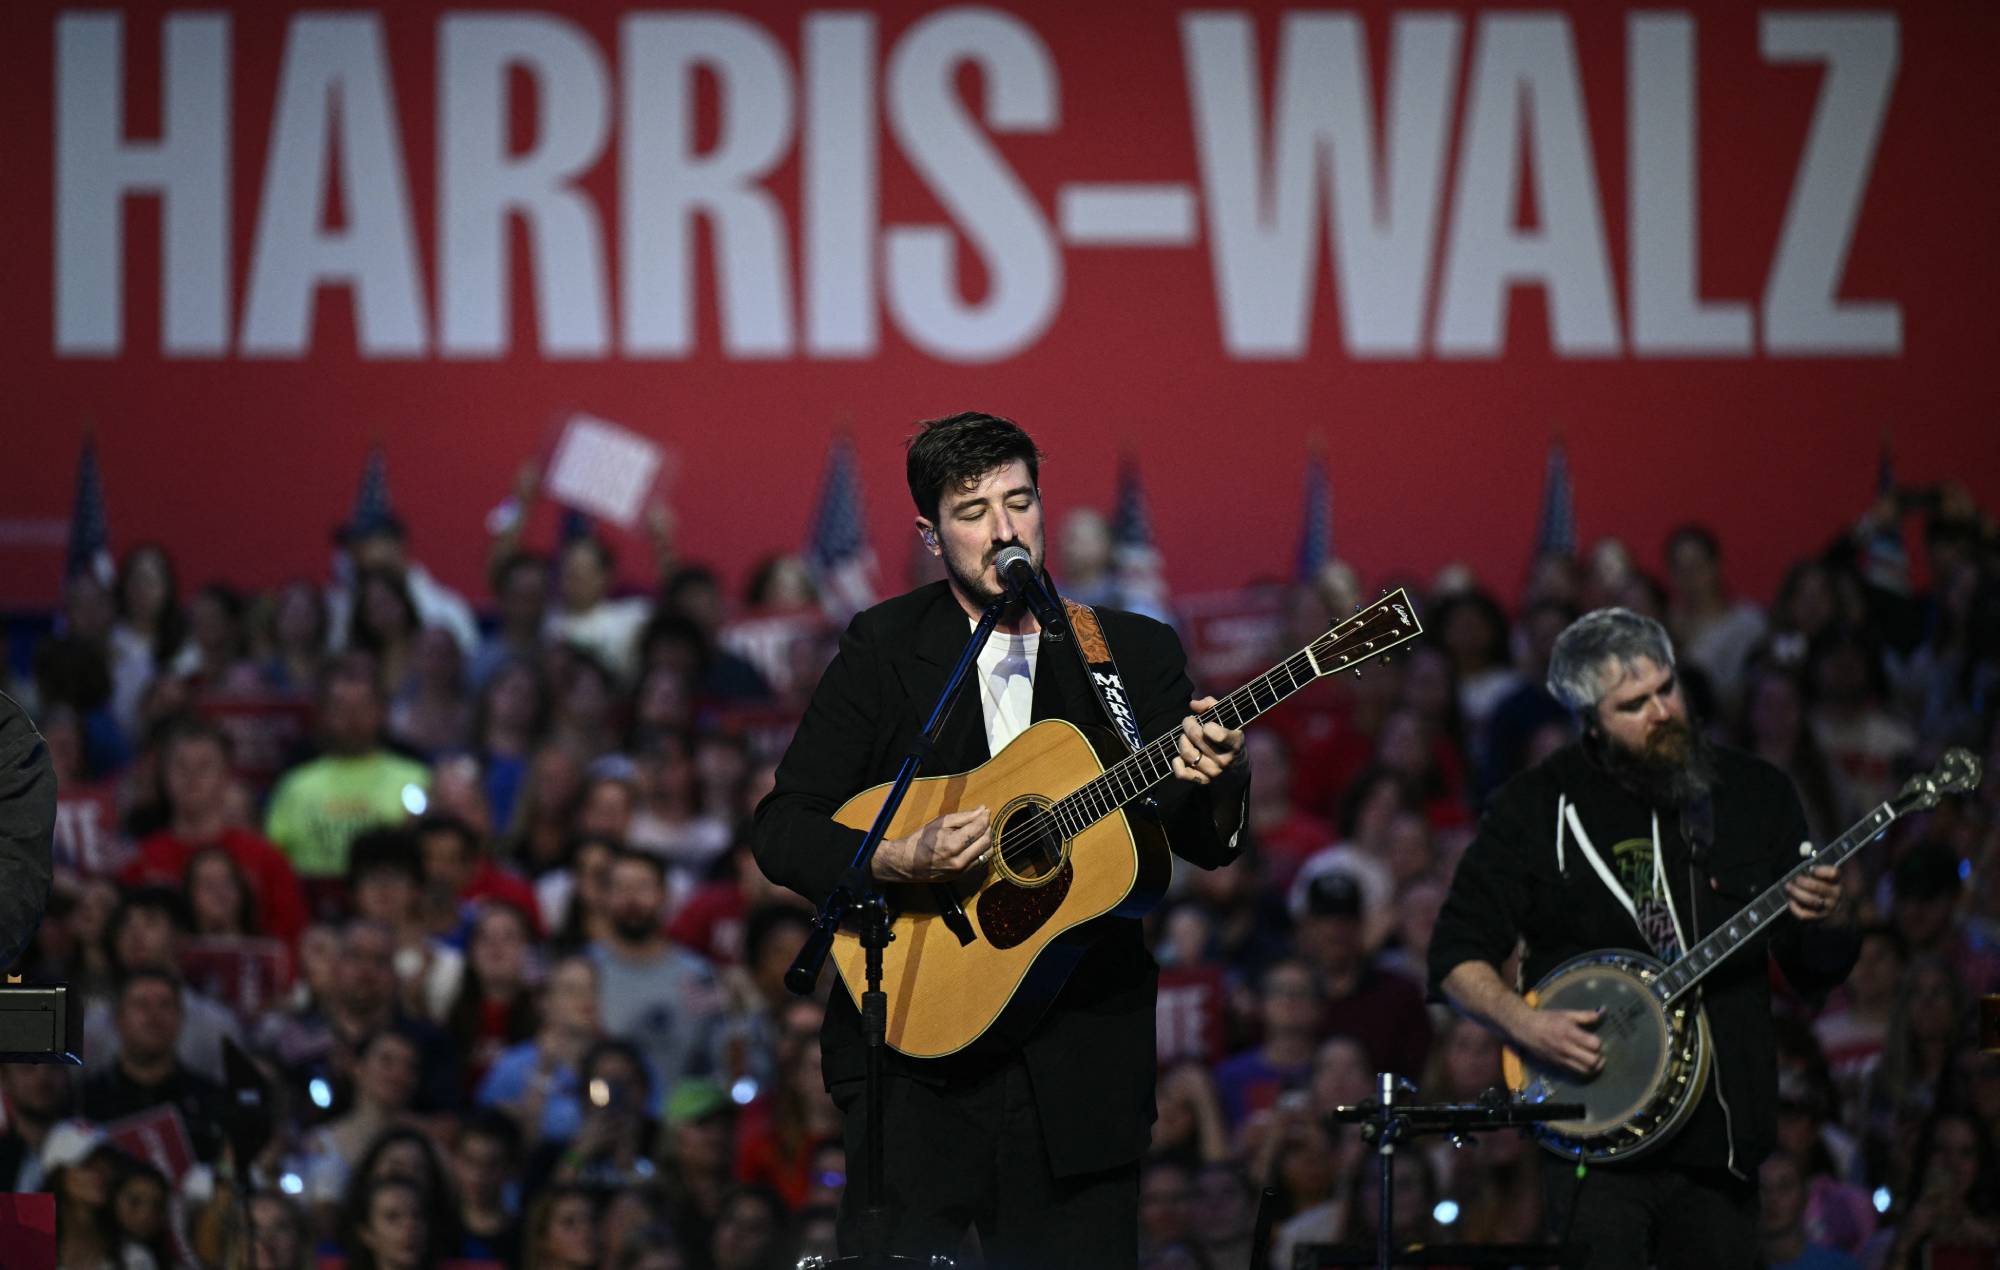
{"x": 473, "y": 900}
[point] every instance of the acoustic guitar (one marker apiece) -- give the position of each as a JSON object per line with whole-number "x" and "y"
{"x": 1065, "y": 855}
{"x": 1657, "y": 1052}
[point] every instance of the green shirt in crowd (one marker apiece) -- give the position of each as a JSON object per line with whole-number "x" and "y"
{"x": 320, "y": 806}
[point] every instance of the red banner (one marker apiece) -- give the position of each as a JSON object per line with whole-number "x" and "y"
{"x": 1722, "y": 250}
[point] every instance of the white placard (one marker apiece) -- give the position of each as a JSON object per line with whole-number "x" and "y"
{"x": 603, "y": 469}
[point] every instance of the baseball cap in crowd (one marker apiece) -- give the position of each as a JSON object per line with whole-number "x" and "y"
{"x": 1333, "y": 894}
{"x": 70, "y": 1143}
{"x": 1927, "y": 871}
{"x": 694, "y": 1100}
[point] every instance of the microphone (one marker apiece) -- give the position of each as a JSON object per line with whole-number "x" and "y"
{"x": 1018, "y": 574}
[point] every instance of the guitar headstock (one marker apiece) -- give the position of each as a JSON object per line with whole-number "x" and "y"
{"x": 1388, "y": 622}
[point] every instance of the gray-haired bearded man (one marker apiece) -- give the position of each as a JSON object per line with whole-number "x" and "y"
{"x": 1587, "y": 850}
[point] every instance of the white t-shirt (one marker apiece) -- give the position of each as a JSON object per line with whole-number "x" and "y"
{"x": 1007, "y": 685}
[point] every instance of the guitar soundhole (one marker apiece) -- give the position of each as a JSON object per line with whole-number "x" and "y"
{"x": 1030, "y": 842}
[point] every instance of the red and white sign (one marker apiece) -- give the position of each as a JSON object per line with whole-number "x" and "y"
{"x": 1722, "y": 249}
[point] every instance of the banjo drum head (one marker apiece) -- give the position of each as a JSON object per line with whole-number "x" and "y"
{"x": 1635, "y": 1035}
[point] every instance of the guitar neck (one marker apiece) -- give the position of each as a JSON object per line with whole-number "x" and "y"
{"x": 1370, "y": 633}
{"x": 1681, "y": 977}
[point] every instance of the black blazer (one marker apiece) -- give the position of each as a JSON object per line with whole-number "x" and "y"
{"x": 1091, "y": 1058}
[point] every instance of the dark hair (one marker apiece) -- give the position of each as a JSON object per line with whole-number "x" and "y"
{"x": 1497, "y": 652}
{"x": 1700, "y": 535}
{"x": 361, "y": 1199}
{"x": 446, "y": 822}
{"x": 1980, "y": 1197}
{"x": 493, "y": 1123}
{"x": 137, "y": 975}
{"x": 172, "y": 627}
{"x": 467, "y": 1014}
{"x": 166, "y": 900}
{"x": 506, "y": 566}
{"x": 361, "y": 631}
{"x": 246, "y": 899}
{"x": 132, "y": 1170}
{"x": 535, "y": 1224}
{"x": 959, "y": 449}
{"x": 624, "y": 854}
{"x": 192, "y": 727}
{"x": 351, "y": 668}
{"x": 384, "y": 851}
{"x": 606, "y": 558}
{"x": 1362, "y": 787}
{"x": 766, "y": 920}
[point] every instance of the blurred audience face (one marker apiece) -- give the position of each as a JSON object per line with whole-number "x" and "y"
{"x": 1222, "y": 1204}
{"x": 1876, "y": 970}
{"x": 607, "y": 810}
{"x": 386, "y": 1074}
{"x": 1781, "y": 1196}
{"x": 745, "y": 1232}
{"x": 319, "y": 956}
{"x": 1290, "y": 1003}
{"x": 36, "y": 1091}
{"x": 351, "y": 715}
{"x": 1340, "y": 1075}
{"x": 276, "y": 1239}
{"x": 395, "y": 1229}
{"x": 480, "y": 1163}
{"x": 569, "y": 997}
{"x": 147, "y": 937}
{"x": 215, "y": 893}
{"x": 140, "y": 1206}
{"x": 364, "y": 978}
{"x": 197, "y": 776}
{"x": 149, "y": 1020}
{"x": 524, "y": 596}
{"x": 1471, "y": 1061}
{"x": 498, "y": 949}
{"x": 637, "y": 898}
{"x": 385, "y": 894}
{"x": 299, "y": 622}
{"x": 581, "y": 576}
{"x": 1166, "y": 1205}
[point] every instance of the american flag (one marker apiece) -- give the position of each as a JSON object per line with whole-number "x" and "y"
{"x": 1884, "y": 559}
{"x": 1316, "y": 531}
{"x": 371, "y": 503}
{"x": 837, "y": 552}
{"x": 1136, "y": 562}
{"x": 1557, "y": 534}
{"x": 1131, "y": 527}
{"x": 89, "y": 526}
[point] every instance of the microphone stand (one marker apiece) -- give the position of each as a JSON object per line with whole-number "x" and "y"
{"x": 857, "y": 897}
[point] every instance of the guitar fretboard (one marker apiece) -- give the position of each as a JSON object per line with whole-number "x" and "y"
{"x": 1373, "y": 631}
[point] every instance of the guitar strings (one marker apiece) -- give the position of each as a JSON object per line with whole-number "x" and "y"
{"x": 1043, "y": 829}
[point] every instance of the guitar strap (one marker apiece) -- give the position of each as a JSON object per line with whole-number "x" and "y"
{"x": 1094, "y": 652}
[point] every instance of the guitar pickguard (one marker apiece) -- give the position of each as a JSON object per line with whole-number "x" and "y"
{"x": 1009, "y": 914}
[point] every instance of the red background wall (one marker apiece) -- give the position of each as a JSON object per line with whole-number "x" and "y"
{"x": 243, "y": 465}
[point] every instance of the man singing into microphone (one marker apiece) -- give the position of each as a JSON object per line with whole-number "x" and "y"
{"x": 1039, "y": 1148}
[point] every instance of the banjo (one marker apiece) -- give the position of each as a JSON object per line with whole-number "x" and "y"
{"x": 1656, "y": 1042}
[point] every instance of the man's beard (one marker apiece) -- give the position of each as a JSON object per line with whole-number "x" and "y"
{"x": 635, "y": 928}
{"x": 974, "y": 585}
{"x": 1674, "y": 768}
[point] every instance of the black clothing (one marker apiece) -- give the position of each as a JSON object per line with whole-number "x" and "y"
{"x": 1667, "y": 1218}
{"x": 1511, "y": 882}
{"x": 27, "y": 828}
{"x": 973, "y": 1154}
{"x": 112, "y": 1095}
{"x": 1089, "y": 1063}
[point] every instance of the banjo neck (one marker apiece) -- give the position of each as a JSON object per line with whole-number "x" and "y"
{"x": 1677, "y": 980}
{"x": 1957, "y": 772}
